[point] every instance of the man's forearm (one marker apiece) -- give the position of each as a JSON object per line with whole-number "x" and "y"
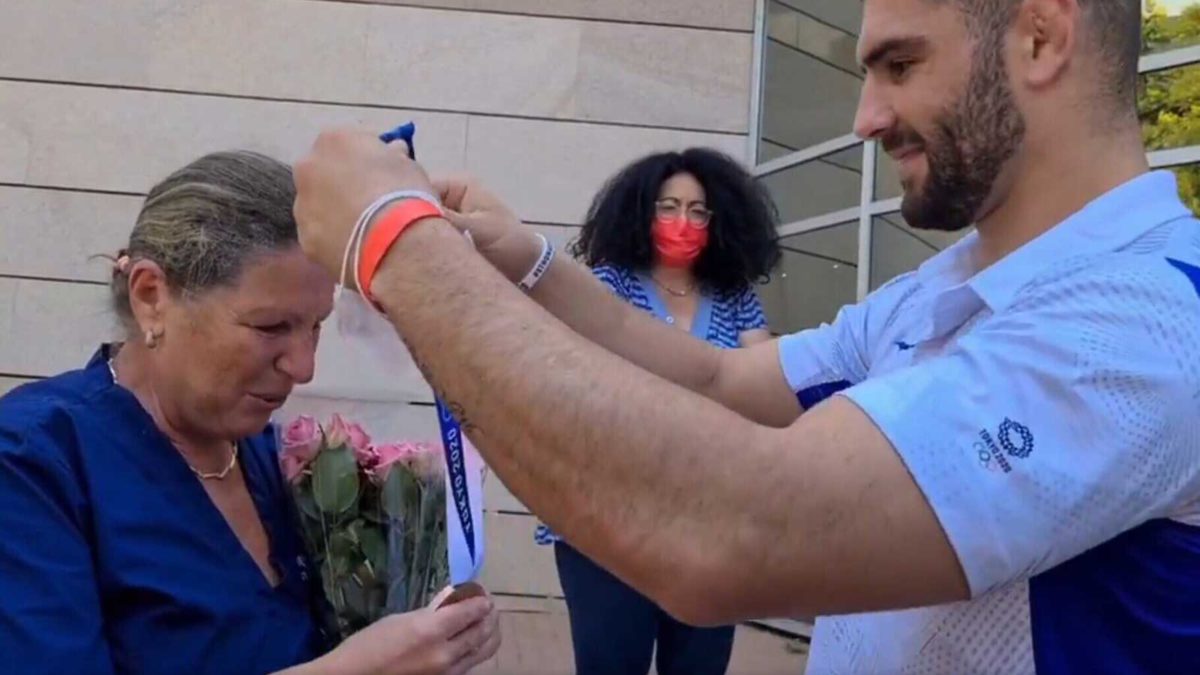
{"x": 711, "y": 515}
{"x": 714, "y": 517}
{"x": 570, "y": 292}
{"x": 627, "y": 465}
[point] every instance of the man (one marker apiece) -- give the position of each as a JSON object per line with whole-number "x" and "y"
{"x": 1008, "y": 476}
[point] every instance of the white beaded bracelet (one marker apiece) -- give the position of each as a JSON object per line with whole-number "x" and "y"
{"x": 539, "y": 268}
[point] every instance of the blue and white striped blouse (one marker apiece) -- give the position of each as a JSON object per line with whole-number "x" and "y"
{"x": 720, "y": 320}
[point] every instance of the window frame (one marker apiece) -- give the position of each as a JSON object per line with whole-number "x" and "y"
{"x": 869, "y": 206}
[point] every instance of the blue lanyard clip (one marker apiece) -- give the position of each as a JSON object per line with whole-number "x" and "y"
{"x": 404, "y": 132}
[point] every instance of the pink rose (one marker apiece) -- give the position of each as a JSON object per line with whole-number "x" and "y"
{"x": 390, "y": 455}
{"x": 342, "y": 433}
{"x": 301, "y": 443}
{"x": 303, "y": 431}
{"x": 292, "y": 467}
{"x": 367, "y": 459}
{"x": 427, "y": 462}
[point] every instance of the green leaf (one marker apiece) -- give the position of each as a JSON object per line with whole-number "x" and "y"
{"x": 314, "y": 539}
{"x": 377, "y": 600}
{"x": 356, "y": 598}
{"x": 342, "y": 545}
{"x": 354, "y": 529}
{"x": 331, "y": 594}
{"x": 374, "y": 546}
{"x": 370, "y": 506}
{"x": 341, "y": 566}
{"x": 399, "y": 491}
{"x": 308, "y": 506}
{"x": 366, "y": 577}
{"x": 335, "y": 481}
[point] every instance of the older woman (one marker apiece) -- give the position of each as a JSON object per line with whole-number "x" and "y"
{"x": 144, "y": 524}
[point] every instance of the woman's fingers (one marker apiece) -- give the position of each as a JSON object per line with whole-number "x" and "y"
{"x": 486, "y": 650}
{"x": 452, "y": 621}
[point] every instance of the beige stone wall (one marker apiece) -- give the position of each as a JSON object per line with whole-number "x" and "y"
{"x": 542, "y": 98}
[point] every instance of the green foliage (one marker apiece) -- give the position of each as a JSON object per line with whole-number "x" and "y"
{"x": 335, "y": 481}
{"x": 1169, "y": 101}
{"x": 380, "y": 547}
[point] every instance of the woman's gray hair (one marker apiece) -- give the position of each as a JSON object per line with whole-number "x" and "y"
{"x": 204, "y": 222}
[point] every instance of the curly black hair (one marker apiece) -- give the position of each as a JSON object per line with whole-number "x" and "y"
{"x": 743, "y": 245}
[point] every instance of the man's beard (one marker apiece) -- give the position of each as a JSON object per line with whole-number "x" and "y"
{"x": 971, "y": 143}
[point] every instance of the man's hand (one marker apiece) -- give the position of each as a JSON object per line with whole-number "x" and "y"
{"x": 346, "y": 170}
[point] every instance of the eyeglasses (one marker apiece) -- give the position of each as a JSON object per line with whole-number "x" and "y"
{"x": 670, "y": 209}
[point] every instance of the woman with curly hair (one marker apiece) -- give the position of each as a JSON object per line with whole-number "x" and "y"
{"x": 684, "y": 236}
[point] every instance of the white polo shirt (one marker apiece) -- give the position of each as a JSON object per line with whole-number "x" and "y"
{"x": 1049, "y": 409}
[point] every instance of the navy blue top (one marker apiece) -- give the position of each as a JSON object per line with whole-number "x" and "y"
{"x": 113, "y": 558}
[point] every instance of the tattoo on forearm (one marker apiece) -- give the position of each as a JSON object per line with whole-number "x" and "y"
{"x": 421, "y": 366}
{"x": 456, "y": 408}
{"x": 460, "y": 414}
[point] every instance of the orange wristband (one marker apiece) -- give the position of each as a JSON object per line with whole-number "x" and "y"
{"x": 391, "y": 224}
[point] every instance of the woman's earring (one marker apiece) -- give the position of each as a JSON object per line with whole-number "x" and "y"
{"x": 152, "y": 339}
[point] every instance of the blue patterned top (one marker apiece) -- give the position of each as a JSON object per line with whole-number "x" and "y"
{"x": 720, "y": 320}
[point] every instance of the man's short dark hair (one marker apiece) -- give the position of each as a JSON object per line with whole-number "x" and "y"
{"x": 1116, "y": 30}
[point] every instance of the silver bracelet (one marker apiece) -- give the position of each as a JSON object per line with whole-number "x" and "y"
{"x": 539, "y": 268}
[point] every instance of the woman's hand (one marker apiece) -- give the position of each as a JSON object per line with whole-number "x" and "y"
{"x": 448, "y": 640}
{"x": 497, "y": 232}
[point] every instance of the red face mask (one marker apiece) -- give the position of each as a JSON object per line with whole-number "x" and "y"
{"x": 677, "y": 242}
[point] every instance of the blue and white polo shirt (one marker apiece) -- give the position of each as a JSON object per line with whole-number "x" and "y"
{"x": 1049, "y": 409}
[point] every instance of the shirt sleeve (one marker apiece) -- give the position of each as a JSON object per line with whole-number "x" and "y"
{"x": 50, "y": 617}
{"x": 613, "y": 279}
{"x": 1055, "y": 425}
{"x": 750, "y": 315}
{"x": 822, "y": 361}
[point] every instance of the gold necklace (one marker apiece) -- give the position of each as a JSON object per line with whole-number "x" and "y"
{"x": 202, "y": 475}
{"x": 217, "y": 475}
{"x": 672, "y": 291}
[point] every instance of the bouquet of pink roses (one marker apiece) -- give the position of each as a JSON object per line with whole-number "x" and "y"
{"x": 373, "y": 515}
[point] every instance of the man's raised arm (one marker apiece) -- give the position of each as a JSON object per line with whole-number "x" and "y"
{"x": 714, "y": 517}
{"x": 748, "y": 381}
